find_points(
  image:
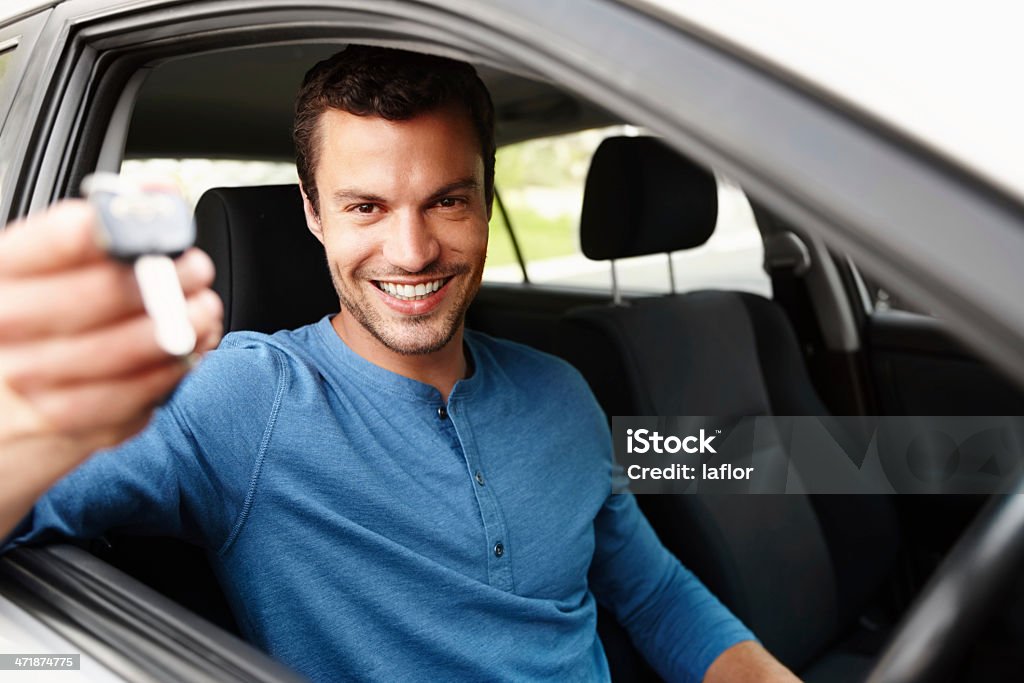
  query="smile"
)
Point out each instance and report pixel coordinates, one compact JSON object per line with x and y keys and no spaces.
{"x":406,"y":292}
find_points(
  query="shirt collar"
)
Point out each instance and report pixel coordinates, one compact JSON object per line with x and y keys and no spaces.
{"x":347,"y":362}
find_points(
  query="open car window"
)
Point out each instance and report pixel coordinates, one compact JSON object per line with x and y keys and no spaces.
{"x":541,"y":189}
{"x":195,"y":176}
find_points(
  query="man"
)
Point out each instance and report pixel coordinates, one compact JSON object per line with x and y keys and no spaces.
{"x":384,"y":494}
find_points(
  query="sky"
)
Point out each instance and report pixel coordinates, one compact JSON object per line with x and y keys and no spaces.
{"x":946,"y":73}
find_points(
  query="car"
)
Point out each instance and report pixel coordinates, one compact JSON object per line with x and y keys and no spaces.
{"x":869,"y":206}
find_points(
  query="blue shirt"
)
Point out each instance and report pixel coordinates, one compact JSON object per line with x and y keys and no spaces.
{"x":362,"y":528}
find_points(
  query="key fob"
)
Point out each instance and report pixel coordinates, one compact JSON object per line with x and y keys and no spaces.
{"x":136,"y":221}
{"x":147,"y":227}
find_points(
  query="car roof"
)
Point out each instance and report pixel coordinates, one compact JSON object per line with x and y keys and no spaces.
{"x":942,"y":74}
{"x":247,"y":97}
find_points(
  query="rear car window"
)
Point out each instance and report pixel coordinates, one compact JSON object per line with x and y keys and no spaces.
{"x":196,"y":176}
{"x":541,"y":182}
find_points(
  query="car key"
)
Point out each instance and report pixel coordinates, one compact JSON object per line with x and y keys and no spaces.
{"x":147,"y":227}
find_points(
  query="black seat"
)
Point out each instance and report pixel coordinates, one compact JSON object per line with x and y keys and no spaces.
{"x":271,"y":275}
{"x":798,"y":570}
{"x":271,"y":272}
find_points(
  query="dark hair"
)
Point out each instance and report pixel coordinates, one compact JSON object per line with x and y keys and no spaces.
{"x":392,"y":84}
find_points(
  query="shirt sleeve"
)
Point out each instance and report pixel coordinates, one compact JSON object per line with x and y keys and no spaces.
{"x":675,"y":622}
{"x":185,"y":475}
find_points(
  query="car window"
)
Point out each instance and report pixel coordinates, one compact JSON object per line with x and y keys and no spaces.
{"x":540,"y":183}
{"x":5,"y":62}
{"x":196,"y":176}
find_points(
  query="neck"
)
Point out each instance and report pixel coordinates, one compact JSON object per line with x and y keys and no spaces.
{"x":440,"y":369}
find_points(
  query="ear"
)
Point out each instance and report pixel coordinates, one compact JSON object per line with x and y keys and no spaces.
{"x":312,"y":219}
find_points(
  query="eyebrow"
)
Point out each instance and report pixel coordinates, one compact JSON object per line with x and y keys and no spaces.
{"x":357,"y":195}
{"x":464,"y":184}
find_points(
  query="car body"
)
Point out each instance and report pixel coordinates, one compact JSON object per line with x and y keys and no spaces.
{"x":877,"y":186}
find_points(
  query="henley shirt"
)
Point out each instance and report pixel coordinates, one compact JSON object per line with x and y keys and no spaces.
{"x":364,"y":529}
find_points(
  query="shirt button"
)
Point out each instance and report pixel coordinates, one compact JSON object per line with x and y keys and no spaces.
{"x":499,"y":549}
{"x":479,"y":477}
{"x":442,"y":413}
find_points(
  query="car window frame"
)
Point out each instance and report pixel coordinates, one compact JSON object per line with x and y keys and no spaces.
{"x":20,"y":34}
{"x":126,"y":626}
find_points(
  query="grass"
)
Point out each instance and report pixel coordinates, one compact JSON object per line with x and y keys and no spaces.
{"x":539,"y":236}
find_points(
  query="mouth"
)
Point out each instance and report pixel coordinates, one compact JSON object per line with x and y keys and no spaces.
{"x":411,"y":292}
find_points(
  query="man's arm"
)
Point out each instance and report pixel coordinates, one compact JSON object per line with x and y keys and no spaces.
{"x":682,"y":630}
{"x":79,"y":366}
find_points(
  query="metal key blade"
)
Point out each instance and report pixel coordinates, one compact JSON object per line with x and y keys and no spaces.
{"x":165,"y":304}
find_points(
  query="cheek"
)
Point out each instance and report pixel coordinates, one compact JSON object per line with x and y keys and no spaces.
{"x":347,"y":250}
{"x":474,"y":239}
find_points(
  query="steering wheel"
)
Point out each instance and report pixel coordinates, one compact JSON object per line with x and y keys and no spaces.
{"x":963,"y":592}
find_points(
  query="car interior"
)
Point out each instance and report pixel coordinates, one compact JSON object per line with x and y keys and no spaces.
{"x":822,"y":580}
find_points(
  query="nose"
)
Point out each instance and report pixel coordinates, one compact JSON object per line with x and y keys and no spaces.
{"x":411,"y":244}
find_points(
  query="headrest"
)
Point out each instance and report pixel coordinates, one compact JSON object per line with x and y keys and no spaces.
{"x":271,"y":272}
{"x":642,"y":197}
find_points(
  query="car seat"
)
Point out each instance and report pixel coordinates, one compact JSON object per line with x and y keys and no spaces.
{"x":798,"y":570}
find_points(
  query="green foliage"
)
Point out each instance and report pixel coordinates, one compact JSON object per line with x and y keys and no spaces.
{"x":540,"y":237}
{"x":549,"y":162}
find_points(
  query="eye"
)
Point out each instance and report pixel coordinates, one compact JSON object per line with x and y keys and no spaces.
{"x":365,"y":208}
{"x":450,"y":202}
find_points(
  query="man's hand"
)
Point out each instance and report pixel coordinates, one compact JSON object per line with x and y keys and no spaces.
{"x":748,"y":662}
{"x":80,"y":368}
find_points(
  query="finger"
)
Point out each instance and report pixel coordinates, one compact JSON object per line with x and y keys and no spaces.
{"x":207,"y":341}
{"x":62,"y":237}
{"x":85,"y":298}
{"x":106,"y":405}
{"x":120,"y":349}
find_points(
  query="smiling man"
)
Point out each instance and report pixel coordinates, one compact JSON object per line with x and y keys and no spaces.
{"x":384,"y":494}
{"x":402,"y":214}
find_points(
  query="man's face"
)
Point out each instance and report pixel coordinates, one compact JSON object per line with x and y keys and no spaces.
{"x":404,"y":222}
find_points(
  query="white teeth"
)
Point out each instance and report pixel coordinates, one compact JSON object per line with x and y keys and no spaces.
{"x":411,"y":292}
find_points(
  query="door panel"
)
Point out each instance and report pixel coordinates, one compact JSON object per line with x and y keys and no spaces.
{"x":919,"y":369}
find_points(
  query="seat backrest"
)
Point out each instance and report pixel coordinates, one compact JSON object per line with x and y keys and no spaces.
{"x":271,"y":271}
{"x":271,"y":275}
{"x":715,"y":353}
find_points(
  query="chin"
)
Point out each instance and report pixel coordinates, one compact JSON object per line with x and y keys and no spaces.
{"x":414,"y":343}
{"x":410,"y":336}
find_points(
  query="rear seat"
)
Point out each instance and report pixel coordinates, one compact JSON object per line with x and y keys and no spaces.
{"x":798,"y":570}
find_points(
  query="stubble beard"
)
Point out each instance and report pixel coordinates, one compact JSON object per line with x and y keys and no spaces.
{"x":424,"y":333}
